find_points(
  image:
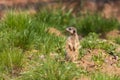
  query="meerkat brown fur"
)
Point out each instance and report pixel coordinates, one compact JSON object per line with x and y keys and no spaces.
{"x":72,"y":45}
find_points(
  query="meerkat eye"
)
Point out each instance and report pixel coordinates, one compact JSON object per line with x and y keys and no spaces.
{"x":69,"y":28}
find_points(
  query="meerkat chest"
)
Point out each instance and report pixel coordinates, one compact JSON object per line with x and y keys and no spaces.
{"x":73,"y":42}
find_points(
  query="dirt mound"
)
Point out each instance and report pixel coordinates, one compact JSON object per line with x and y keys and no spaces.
{"x":54,"y":31}
{"x":82,"y":78}
{"x":110,"y":69}
{"x":99,"y":60}
{"x":113,"y":34}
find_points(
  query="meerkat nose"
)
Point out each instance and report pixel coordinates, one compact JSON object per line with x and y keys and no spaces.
{"x":67,"y":29}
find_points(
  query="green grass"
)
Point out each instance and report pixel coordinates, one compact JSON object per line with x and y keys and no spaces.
{"x":99,"y":76}
{"x":11,"y":60}
{"x":117,"y":40}
{"x":92,"y":41}
{"x":98,"y":59}
{"x":96,"y":23}
{"x":21,"y":33}
{"x":51,"y":69}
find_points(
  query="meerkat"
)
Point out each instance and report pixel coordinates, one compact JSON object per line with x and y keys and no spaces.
{"x":72,"y":45}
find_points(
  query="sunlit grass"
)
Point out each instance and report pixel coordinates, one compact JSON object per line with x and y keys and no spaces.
{"x":51,"y":69}
{"x":102,"y":76}
{"x":117,"y":40}
{"x":21,"y":32}
{"x":96,"y":23}
{"x":11,"y":59}
{"x":92,"y":41}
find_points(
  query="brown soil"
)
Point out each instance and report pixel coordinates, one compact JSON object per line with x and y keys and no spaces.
{"x":82,"y":78}
{"x":113,"y":34}
{"x":110,"y":69}
{"x":107,"y":65}
{"x":16,"y":71}
{"x":118,"y":49}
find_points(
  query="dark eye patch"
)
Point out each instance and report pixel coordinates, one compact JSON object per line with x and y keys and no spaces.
{"x":69,"y":28}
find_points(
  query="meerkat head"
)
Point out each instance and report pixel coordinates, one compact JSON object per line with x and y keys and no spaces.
{"x":71,"y":30}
